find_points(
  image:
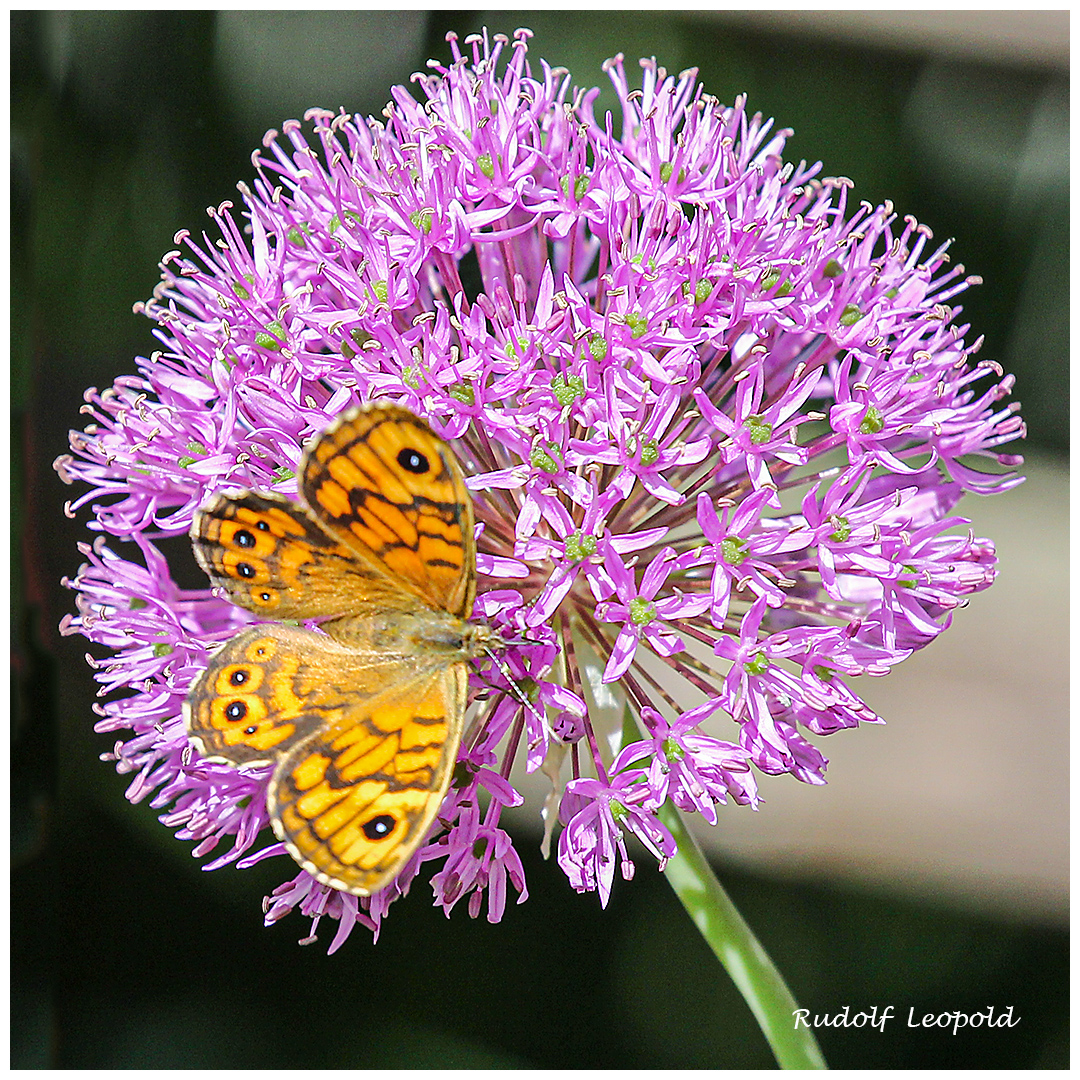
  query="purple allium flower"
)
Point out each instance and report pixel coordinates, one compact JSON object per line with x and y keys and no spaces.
{"x":595,"y":815}
{"x":715,"y":421}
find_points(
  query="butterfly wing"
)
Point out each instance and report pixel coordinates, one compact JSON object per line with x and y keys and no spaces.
{"x":383,"y":484}
{"x":272,"y":558}
{"x":272,"y":686}
{"x":354,"y":801}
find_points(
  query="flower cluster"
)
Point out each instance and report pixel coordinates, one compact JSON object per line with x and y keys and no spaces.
{"x":714,"y":417}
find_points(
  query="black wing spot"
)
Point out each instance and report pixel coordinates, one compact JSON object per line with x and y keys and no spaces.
{"x":243,"y":538}
{"x":413,"y":461}
{"x":236,"y":711}
{"x":378,"y":828}
{"x":245,"y":570}
{"x":262,"y":525}
{"x":239,"y":677}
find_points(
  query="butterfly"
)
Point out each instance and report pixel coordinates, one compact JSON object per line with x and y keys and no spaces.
{"x":363,"y":717}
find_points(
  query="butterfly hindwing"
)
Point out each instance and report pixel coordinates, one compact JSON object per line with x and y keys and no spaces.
{"x":353,"y":801}
{"x":273,"y":558}
{"x":271,"y":686}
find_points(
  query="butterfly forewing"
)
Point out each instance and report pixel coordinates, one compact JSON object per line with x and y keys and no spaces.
{"x":383,"y":483}
{"x":274,"y":559}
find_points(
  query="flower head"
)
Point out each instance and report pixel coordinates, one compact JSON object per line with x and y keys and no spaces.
{"x":714,"y":419}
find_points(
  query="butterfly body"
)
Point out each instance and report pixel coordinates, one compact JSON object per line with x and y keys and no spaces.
{"x":362,"y":717}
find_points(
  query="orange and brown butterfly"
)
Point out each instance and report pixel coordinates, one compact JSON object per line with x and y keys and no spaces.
{"x":361,"y":718}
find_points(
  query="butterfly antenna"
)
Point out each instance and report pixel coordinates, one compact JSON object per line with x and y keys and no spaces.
{"x":515,"y":689}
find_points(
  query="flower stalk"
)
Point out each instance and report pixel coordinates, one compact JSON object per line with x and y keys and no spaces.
{"x":733,"y":942}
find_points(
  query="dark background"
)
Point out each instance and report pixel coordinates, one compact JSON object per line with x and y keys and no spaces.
{"x":125,"y":126}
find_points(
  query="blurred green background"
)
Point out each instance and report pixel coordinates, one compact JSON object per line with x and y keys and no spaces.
{"x":125,"y":126}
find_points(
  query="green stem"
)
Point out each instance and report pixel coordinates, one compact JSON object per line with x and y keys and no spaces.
{"x":735,"y":946}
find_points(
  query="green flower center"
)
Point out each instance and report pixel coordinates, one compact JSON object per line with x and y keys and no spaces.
{"x":733,"y":549}
{"x":642,"y":611}
{"x":842,"y":530}
{"x":422,"y":219}
{"x":650,"y":452}
{"x":463,"y":392}
{"x":544,"y":459}
{"x":759,"y":429}
{"x":580,"y":546}
{"x":666,"y":169}
{"x":701,"y":290}
{"x":770,"y":279}
{"x":272,"y":337}
{"x":672,"y":750}
{"x":463,"y":775}
{"x":873,"y":422}
{"x":567,"y":391}
{"x":193,"y":447}
{"x":758,"y":664}
{"x":638,"y":325}
{"x":512,"y":349}
{"x":581,"y":185}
